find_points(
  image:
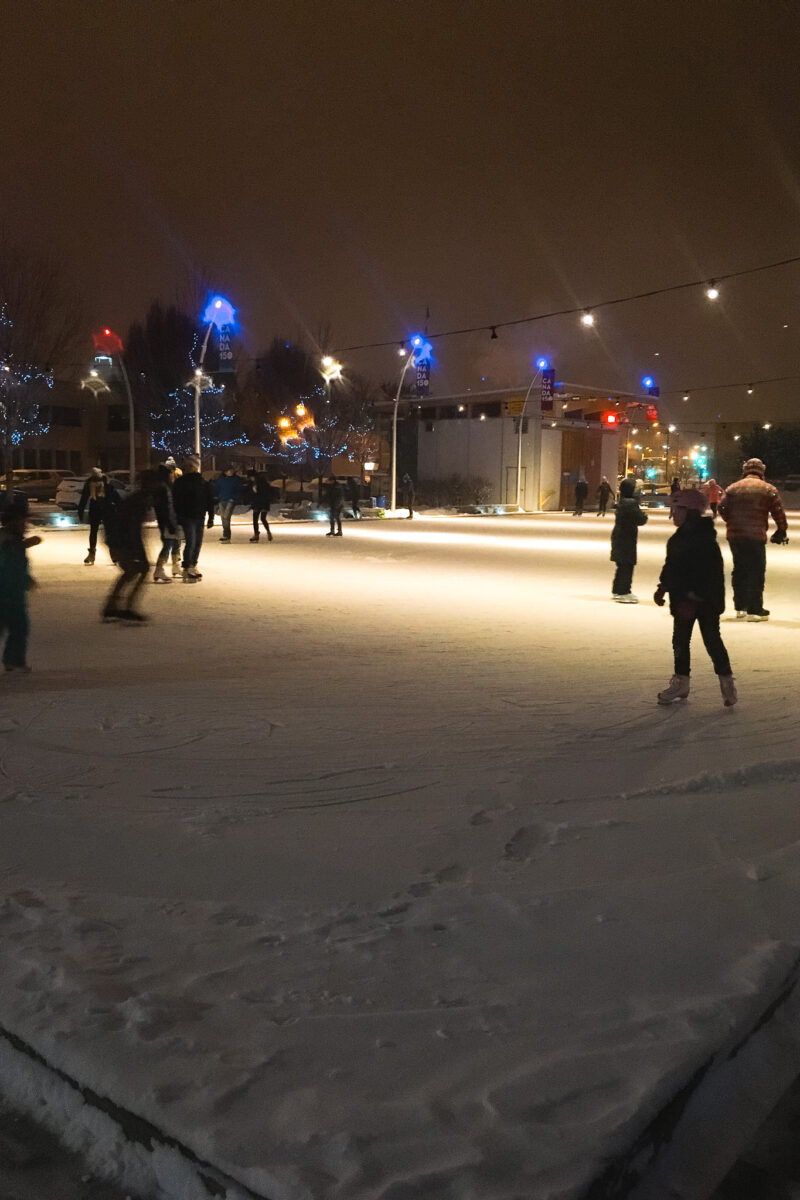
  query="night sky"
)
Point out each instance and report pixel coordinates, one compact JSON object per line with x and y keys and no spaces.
{"x":352,"y":162}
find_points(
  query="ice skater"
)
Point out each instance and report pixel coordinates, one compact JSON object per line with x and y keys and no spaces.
{"x":581,"y":492}
{"x":746,"y":509}
{"x":127,"y":546}
{"x":354,"y":496}
{"x":334,"y":502}
{"x":259,"y":492}
{"x":714,"y":493}
{"x":604,"y":494}
{"x":167,"y":523}
{"x":228,"y":487}
{"x":694,"y":579}
{"x":15,"y":583}
{"x":99,"y":497}
{"x":193,"y":499}
{"x":408,"y":493}
{"x":624,"y":537}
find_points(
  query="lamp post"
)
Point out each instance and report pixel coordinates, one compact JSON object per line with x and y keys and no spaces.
{"x":110,"y":343}
{"x":541,"y":365}
{"x":218,"y":313}
{"x":421,"y":350}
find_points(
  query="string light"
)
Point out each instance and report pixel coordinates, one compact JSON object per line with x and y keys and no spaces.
{"x":587,"y":318}
{"x":712,"y":291}
{"x":686,"y":395}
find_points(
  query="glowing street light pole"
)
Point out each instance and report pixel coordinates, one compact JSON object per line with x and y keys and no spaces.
{"x":111,"y":344}
{"x":218,"y":313}
{"x":541,"y":365}
{"x":423,"y":351}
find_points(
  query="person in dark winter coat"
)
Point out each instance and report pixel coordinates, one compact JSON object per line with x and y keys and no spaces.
{"x":228,"y":488}
{"x":581,"y":492}
{"x":354,"y":496}
{"x":193,"y":499}
{"x":694,"y":579}
{"x":408,"y":494}
{"x":260,"y":493}
{"x":15,"y":583}
{"x":334,"y":502}
{"x":624,"y":537}
{"x":127,"y":545}
{"x":604,"y":494}
{"x":167,"y":522}
{"x":674,"y":486}
{"x":99,"y":497}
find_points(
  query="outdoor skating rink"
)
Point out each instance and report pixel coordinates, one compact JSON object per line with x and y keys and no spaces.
{"x":370,"y":869}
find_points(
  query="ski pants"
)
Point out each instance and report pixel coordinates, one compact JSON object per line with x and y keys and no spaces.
{"x":712,"y":640}
{"x":749,"y":571}
{"x":14,"y":621}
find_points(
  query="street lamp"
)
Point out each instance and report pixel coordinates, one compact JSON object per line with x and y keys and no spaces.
{"x":110,"y":344}
{"x":420,"y":352}
{"x":218,"y":313}
{"x":541,"y":365}
{"x":330,"y":370}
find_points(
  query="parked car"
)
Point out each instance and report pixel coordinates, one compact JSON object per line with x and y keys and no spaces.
{"x":654,"y":495}
{"x":39,"y":485}
{"x":69,"y":491}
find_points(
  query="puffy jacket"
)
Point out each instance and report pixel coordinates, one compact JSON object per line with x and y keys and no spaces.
{"x":124,"y":528}
{"x":260,"y":492}
{"x":693,"y":569}
{"x":713,"y":491}
{"x":228,"y":487}
{"x":747,"y":506}
{"x":193,"y":498}
{"x":625,"y":533}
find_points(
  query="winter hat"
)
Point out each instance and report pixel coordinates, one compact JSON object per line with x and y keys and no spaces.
{"x":754,"y":466}
{"x":170,"y":462}
{"x":96,"y":472}
{"x":627,"y":488}
{"x":689,"y":498}
{"x":193,"y":460}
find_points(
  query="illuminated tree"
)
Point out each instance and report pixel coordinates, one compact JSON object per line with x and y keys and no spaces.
{"x":40,"y":336}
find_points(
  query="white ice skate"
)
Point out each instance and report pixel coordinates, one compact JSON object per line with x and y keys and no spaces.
{"x":678,"y":689}
{"x":726,"y":686}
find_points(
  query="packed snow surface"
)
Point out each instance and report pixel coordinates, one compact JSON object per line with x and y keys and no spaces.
{"x":370,"y":869}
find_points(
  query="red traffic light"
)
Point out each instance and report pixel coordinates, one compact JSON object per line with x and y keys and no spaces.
{"x":610,"y":418}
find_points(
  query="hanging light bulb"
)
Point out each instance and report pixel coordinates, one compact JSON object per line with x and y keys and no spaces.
{"x":587,"y":318}
{"x":494,"y":334}
{"x":712,"y":291}
{"x":749,"y":391}
{"x":686,"y":395}
{"x":401,"y":350}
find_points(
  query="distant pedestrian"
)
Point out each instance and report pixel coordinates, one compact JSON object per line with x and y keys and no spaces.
{"x":604,"y":494}
{"x":675,"y":485}
{"x":714,"y":493}
{"x":193,"y":499}
{"x":624,"y":536}
{"x":581,"y":492}
{"x":15,"y":583}
{"x":746,"y":508}
{"x":334,"y":502}
{"x":354,"y":496}
{"x":694,"y":579}
{"x":259,"y":492}
{"x":167,"y":523}
{"x":99,"y":498}
{"x":228,"y":488}
{"x":408,"y":493}
{"x":127,"y":545}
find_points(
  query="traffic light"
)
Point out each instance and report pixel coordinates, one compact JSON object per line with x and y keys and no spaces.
{"x":610,"y":419}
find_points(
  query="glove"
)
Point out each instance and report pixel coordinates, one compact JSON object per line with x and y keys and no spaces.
{"x":780,"y":537}
{"x":658,"y":597}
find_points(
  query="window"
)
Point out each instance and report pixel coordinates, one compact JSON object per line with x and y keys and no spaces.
{"x":29,"y":458}
{"x":62,"y":461}
{"x":64,"y":414}
{"x":524,"y":425}
{"x":117,"y":418}
{"x":75,"y":461}
{"x":46,"y":458}
{"x":429,"y":426}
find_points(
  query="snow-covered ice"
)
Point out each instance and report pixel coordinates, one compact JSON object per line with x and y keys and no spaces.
{"x":371,"y":870}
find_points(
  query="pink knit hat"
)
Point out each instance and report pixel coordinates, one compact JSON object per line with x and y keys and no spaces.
{"x":690,"y":498}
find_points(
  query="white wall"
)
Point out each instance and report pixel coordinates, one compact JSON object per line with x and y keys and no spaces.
{"x":550,"y":483}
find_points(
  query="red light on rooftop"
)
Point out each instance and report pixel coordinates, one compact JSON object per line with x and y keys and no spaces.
{"x":609,"y":418}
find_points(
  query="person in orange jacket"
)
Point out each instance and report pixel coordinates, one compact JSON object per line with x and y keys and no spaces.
{"x":746,"y":509}
{"x":713,"y":493}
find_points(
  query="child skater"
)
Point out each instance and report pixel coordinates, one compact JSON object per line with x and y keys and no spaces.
{"x":694,"y":578}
